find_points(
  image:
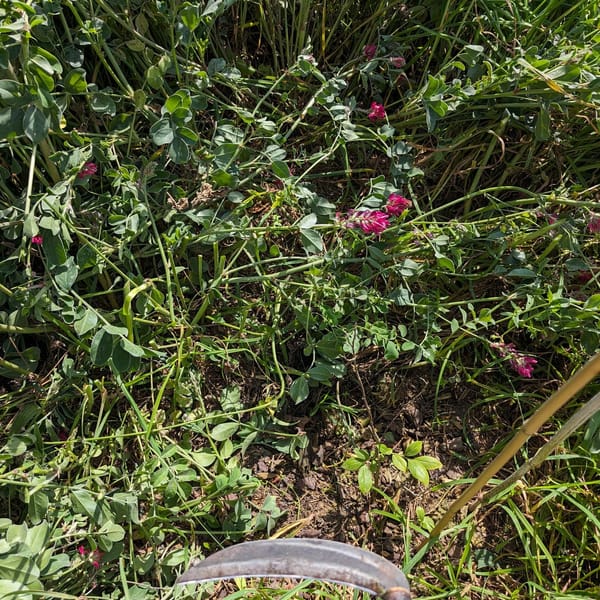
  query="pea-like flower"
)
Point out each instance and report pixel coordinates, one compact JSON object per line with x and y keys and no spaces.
{"x":370,"y":221}
{"x":518,"y":361}
{"x":594,"y":224}
{"x":89,"y":169}
{"x":398,"y":61}
{"x":397,"y":204}
{"x":377,"y":112}
{"x":370,"y":50}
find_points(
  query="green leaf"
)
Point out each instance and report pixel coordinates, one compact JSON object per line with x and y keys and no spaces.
{"x":353,"y":463}
{"x":190,"y":16}
{"x":16,"y":445}
{"x":204,"y":458}
{"x":215,"y":65}
{"x":161,"y":132}
{"x":37,"y":537}
{"x":66,"y":274}
{"x":323,"y":372}
{"x":139,"y":99}
{"x":154,"y":77}
{"x":180,"y":99}
{"x":101,"y":347}
{"x":11,"y":122}
{"x":124,"y":505}
{"x":103,"y":104}
{"x":37,"y":507}
{"x":418,"y":471}
{"x":57,"y":562}
{"x":54,"y":248}
{"x":399,"y":462}
{"x":115,"y":330}
{"x":413,"y":449}
{"x":19,"y":568}
{"x":86,"y":323}
{"x":311,"y":241}
{"x":216,"y":6}
{"x":74,"y":82}
{"x":30,"y":226}
{"x":131,"y":348}
{"x":299,"y":390}
{"x":187,"y":135}
{"x":84,"y":501}
{"x":123,"y":360}
{"x":429,"y":462}
{"x":179,"y":151}
{"x":365,"y":479}
{"x":112,"y":532}
{"x":224,"y":431}
{"x":18,"y":590}
{"x":280,"y":169}
{"x":36,"y":124}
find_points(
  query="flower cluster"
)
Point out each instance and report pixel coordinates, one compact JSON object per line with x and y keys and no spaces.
{"x":88,"y":169}
{"x":94,"y":556}
{"x":398,"y":61}
{"x":377,"y":112}
{"x":518,"y":361}
{"x":397,"y":204}
{"x":376,"y":221}
{"x":594,"y":224}
{"x":37,"y":240}
{"x":370,"y":221}
{"x":370,"y":50}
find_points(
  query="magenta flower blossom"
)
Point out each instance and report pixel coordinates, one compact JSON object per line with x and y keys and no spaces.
{"x":377,"y":112}
{"x":370,"y":221}
{"x":518,"y":361}
{"x":37,"y":240}
{"x":370,"y":50}
{"x":94,"y":556}
{"x":398,"y":61}
{"x":397,"y":204}
{"x":594,"y":224}
{"x":89,"y":169}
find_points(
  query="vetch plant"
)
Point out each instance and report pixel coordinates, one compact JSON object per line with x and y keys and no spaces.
{"x":519,"y":362}
{"x":377,"y":112}
{"x":367,"y":464}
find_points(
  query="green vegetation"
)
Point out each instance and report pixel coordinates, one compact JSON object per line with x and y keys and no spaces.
{"x":245,"y":240}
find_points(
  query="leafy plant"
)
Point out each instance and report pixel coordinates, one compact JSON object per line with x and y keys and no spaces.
{"x":368,"y":464}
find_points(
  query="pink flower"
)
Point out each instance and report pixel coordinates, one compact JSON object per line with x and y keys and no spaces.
{"x":594,"y":224}
{"x":397,"y":204}
{"x":377,"y":112}
{"x":370,"y":50}
{"x":37,"y":240}
{"x":523,"y":365}
{"x":370,"y":221}
{"x":518,"y":361}
{"x":95,"y":558}
{"x":398,"y":61}
{"x":87,"y":170}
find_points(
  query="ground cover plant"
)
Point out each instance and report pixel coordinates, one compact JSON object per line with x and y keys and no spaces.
{"x":295,"y":268}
